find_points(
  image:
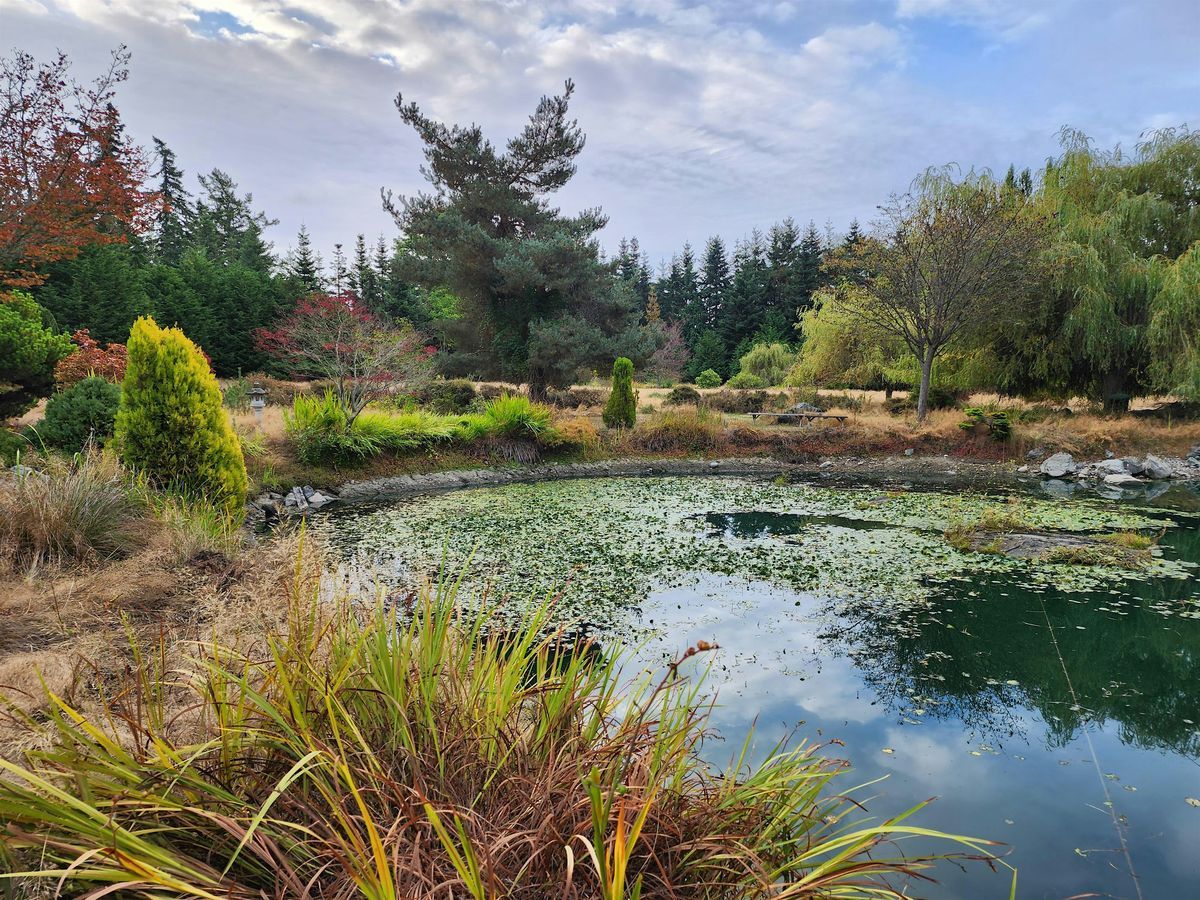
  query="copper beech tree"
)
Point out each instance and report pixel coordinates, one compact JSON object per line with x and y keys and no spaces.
{"x":364,"y":357}
{"x":69,"y":178}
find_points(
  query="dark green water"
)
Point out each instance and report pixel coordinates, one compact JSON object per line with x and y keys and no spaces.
{"x":1061,"y":717}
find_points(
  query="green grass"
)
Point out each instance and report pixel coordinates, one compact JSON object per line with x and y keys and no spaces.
{"x":420,"y":748}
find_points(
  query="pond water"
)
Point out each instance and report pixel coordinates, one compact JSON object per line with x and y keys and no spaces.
{"x":1052,"y":707}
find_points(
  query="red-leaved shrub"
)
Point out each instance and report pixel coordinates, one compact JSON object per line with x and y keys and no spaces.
{"x":89,"y":358}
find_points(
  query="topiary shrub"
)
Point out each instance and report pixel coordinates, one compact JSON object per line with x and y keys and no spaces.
{"x":743,"y":380}
{"x":683,"y":395}
{"x":86,"y":410}
{"x":170,"y":424}
{"x":708,"y":379}
{"x":621,"y":409}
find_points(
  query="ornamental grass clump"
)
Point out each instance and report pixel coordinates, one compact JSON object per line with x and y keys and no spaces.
{"x":171,"y":425}
{"x":621,"y":409}
{"x":419,"y":749}
{"x":71,"y":512}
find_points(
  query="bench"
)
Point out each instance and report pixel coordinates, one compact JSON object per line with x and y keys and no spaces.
{"x":780,"y":417}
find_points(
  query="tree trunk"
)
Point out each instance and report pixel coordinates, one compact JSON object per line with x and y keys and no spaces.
{"x":887,"y":391}
{"x":926,"y":375}
{"x":1114,"y":393}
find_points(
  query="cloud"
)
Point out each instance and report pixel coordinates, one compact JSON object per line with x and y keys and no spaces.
{"x":701,"y":118}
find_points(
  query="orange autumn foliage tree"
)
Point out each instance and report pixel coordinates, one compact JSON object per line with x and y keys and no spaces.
{"x":69,"y":178}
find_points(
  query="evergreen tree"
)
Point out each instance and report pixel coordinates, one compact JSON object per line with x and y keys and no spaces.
{"x":543,"y":302}
{"x":100,"y":290}
{"x":745,"y":304}
{"x":304,"y":266}
{"x":853,"y":236}
{"x":363,"y":281}
{"x":227,"y":228}
{"x":810,"y":278}
{"x":785,"y":292}
{"x":708,"y":353}
{"x":712,"y":289}
{"x":173,"y":226}
{"x":340,"y":276}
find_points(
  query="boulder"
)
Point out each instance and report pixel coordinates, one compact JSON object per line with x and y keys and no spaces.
{"x":1035,"y":453}
{"x":1111,"y":467}
{"x":1120,"y":478}
{"x":1193,"y":456}
{"x":1157,"y":468}
{"x":806,"y":408}
{"x":908,"y":452}
{"x":318,"y":500}
{"x":1058,"y":465}
{"x":1134,"y":465}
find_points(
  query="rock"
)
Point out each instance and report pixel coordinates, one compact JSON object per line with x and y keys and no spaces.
{"x":296,"y":499}
{"x":1193,"y":456}
{"x":714,"y":465}
{"x":318,"y":499}
{"x":1134,"y":465}
{"x":1111,"y":467}
{"x":1058,"y":465}
{"x":1022,"y":468}
{"x":1119,"y":478}
{"x":1108,"y":454}
{"x":1035,"y":453}
{"x":908,"y":452}
{"x":806,"y":408}
{"x":826,"y":464}
{"x":308,"y":491}
{"x":20,"y":471}
{"x":1157,"y":468}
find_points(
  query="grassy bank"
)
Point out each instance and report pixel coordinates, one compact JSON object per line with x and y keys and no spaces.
{"x":189,"y":716}
{"x":388,"y":441}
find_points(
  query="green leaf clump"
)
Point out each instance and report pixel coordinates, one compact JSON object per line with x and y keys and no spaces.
{"x":85,"y":411}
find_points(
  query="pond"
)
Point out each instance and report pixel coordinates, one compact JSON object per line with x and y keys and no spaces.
{"x":1053,"y":707}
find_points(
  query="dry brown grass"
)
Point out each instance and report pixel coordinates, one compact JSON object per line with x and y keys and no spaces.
{"x":75,"y":627}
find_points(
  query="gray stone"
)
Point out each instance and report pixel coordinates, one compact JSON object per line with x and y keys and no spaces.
{"x":1035,"y":453}
{"x":714,"y":465}
{"x":1112,"y":467}
{"x":908,"y":452}
{"x":1108,"y":454}
{"x":1058,"y":465}
{"x":1194,"y":455}
{"x":1134,"y":465}
{"x":318,"y":499}
{"x":1119,"y":478}
{"x":1157,"y":468}
{"x":308,"y":490}
{"x":20,"y":471}
{"x":1022,"y":468}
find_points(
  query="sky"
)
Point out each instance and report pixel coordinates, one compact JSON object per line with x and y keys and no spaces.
{"x":702,"y":118}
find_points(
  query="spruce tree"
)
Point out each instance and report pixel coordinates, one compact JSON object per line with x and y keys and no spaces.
{"x":713,"y":287}
{"x":340,"y":276}
{"x":304,"y":266}
{"x":172,"y":229}
{"x":226,"y":226}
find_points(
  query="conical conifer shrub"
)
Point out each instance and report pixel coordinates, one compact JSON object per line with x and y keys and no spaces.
{"x":621,"y":409}
{"x":171,"y":425}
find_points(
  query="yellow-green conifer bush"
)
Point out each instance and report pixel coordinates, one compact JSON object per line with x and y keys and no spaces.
{"x":170,"y":424}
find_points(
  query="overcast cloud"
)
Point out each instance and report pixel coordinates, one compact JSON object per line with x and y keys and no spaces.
{"x":702,"y":118}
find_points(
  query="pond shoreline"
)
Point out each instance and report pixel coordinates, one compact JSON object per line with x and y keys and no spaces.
{"x":969,"y":473}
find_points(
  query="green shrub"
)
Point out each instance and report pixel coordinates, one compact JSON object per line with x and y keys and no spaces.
{"x":12,"y":445}
{"x":708,"y":379}
{"x":621,"y":409}
{"x":237,"y":394}
{"x":939,"y":398}
{"x":455,"y":396}
{"x":575,"y":397}
{"x":769,"y":363}
{"x":86,"y":410}
{"x":73,"y":512}
{"x":997,"y":422}
{"x":171,"y":425}
{"x":683,"y":395}
{"x":28,"y":353}
{"x":743,"y":380}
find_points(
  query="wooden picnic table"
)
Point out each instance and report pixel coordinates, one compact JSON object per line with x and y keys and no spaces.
{"x":803,"y":416}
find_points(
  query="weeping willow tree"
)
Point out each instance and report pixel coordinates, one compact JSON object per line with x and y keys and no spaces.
{"x":841,"y":349}
{"x":1119,"y":314}
{"x":947,"y":263}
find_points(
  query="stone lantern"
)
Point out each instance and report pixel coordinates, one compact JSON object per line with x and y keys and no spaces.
{"x":258,"y":401}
